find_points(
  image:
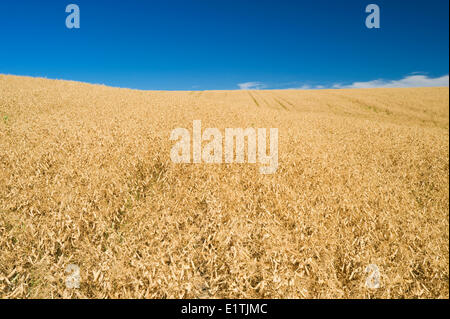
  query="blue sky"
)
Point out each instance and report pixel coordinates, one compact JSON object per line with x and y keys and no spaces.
{"x":211,"y":44}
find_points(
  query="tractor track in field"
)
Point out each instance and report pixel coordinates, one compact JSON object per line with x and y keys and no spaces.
{"x":281,"y":104}
{"x":254,"y":99}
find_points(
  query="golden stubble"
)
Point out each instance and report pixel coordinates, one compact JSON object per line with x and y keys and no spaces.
{"x":86,"y":179}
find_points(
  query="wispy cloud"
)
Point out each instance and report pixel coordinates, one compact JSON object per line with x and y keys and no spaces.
{"x":407,"y":82}
{"x":308,"y":87}
{"x":412,"y":80}
{"x":252,"y":86}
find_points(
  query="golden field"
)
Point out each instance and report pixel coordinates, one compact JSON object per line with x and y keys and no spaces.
{"x":86,"y":179}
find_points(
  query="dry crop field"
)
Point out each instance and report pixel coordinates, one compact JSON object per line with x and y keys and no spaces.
{"x":86,"y":179}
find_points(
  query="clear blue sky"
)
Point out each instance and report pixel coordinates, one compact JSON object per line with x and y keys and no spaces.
{"x":211,"y":44}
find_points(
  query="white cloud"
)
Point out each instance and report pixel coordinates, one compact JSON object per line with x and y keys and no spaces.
{"x":412,"y":80}
{"x":312,"y":87}
{"x":308,"y":87}
{"x":305,"y":87}
{"x":251,"y":86}
{"x":409,"y":81}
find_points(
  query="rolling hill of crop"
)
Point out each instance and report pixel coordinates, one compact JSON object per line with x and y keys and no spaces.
{"x":361,"y":193}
